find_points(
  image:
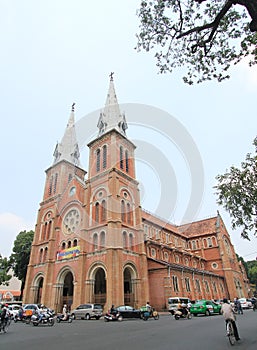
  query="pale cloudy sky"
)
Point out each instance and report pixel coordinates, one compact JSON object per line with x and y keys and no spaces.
{"x":56,"y":52}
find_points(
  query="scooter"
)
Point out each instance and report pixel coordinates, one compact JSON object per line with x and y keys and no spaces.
{"x":47,"y":319}
{"x":113,"y":317}
{"x":60,"y":318}
{"x":179,"y":314}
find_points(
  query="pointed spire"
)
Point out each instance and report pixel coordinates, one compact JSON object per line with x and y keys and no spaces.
{"x":68,"y":148}
{"x":111,"y":117}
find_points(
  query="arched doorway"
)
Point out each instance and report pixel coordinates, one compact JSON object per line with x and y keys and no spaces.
{"x":39,"y":288}
{"x":129,"y":286}
{"x":68,"y":287}
{"x":100,"y":286}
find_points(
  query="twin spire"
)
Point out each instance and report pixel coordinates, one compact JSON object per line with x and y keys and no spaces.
{"x":110,"y":118}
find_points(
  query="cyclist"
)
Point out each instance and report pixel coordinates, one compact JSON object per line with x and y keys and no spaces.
{"x":229,"y":314}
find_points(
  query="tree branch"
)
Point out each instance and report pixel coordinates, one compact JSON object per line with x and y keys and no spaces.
{"x":213,"y":24}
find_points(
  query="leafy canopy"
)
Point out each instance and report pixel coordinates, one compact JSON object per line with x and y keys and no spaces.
{"x":4,"y":268}
{"x":19,"y":258}
{"x":237,"y":192}
{"x":205,"y":36}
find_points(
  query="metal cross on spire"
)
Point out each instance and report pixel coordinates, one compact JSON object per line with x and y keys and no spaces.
{"x":111,"y":76}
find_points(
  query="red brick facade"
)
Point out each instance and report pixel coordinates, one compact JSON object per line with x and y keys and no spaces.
{"x":94,"y":243}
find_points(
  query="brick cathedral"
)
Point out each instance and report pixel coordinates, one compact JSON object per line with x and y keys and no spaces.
{"x":94,"y":243}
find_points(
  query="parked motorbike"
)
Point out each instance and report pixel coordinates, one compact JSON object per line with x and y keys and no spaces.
{"x":47,"y":319}
{"x":113,"y":317}
{"x":179,"y":314}
{"x":60,"y":318}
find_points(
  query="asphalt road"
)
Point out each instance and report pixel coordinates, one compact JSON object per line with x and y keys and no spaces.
{"x":198,"y":333}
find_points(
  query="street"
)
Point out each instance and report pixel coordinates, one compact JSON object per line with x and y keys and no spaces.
{"x":198,"y":333}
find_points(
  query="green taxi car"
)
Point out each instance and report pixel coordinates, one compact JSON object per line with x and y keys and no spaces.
{"x":205,"y":307}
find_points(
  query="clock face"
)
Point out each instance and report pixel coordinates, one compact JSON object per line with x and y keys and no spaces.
{"x":71,"y":221}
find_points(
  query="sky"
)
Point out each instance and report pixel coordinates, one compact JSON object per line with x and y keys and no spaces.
{"x":54,"y":53}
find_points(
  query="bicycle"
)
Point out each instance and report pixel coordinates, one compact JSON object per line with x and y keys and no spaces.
{"x":230,"y":332}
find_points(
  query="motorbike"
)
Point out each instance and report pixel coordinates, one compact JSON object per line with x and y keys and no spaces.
{"x":150,"y":314}
{"x":47,"y":319}
{"x":60,"y":318}
{"x":179,"y":314}
{"x":109,"y":317}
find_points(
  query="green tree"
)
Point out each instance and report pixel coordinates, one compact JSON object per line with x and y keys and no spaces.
{"x":19,"y":258}
{"x":252,"y":272}
{"x":204,"y":36}
{"x":4,"y":268}
{"x":237,"y":192}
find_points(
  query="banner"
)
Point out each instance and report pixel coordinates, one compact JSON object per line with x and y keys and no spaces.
{"x":68,"y":253}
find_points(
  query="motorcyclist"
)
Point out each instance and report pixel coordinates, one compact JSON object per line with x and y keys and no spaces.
{"x":4,"y":316}
{"x":113,"y":311}
{"x":64,"y":312}
{"x":148,"y":307}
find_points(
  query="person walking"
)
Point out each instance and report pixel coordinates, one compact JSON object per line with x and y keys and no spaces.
{"x":238,"y":306}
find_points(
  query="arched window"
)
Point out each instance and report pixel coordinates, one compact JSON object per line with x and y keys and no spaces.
{"x":95,"y":241}
{"x":102,"y":239}
{"x":104,"y":156}
{"x":103,"y":213}
{"x":63,"y":245}
{"x":130,"y":241}
{"x":41,"y":255}
{"x":209,"y":241}
{"x":121,"y":157}
{"x":123,"y":211}
{"x":69,"y":244}
{"x":124,"y":236}
{"x":98,"y":159}
{"x":45,"y":254}
{"x":75,"y":243}
{"x":44,"y":231}
{"x":129,"y":214}
{"x":97,"y":212}
{"x":127,"y":161}
{"x":49,"y":226}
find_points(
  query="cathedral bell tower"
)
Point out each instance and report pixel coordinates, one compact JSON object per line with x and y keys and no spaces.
{"x":114,"y":210}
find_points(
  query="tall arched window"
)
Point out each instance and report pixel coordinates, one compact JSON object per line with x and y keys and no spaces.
{"x":103,"y":213}
{"x":130,"y":241}
{"x":95,"y":241}
{"x":121,"y":157}
{"x":97,"y":212}
{"x":104,"y":156}
{"x":45,"y":254}
{"x":102,"y":239}
{"x":49,"y":226}
{"x":75,"y":243}
{"x":127,"y":161}
{"x":123,"y":211}
{"x":98,"y":159}
{"x":41,"y":255}
{"x":129,"y":214}
{"x":124,"y":238}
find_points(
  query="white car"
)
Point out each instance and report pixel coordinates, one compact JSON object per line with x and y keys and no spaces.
{"x":246,"y":304}
{"x":14,"y":309}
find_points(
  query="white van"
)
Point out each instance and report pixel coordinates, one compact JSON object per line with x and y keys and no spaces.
{"x":174,"y":301}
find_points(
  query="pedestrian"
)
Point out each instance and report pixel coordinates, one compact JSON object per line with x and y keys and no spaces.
{"x":238,"y":306}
